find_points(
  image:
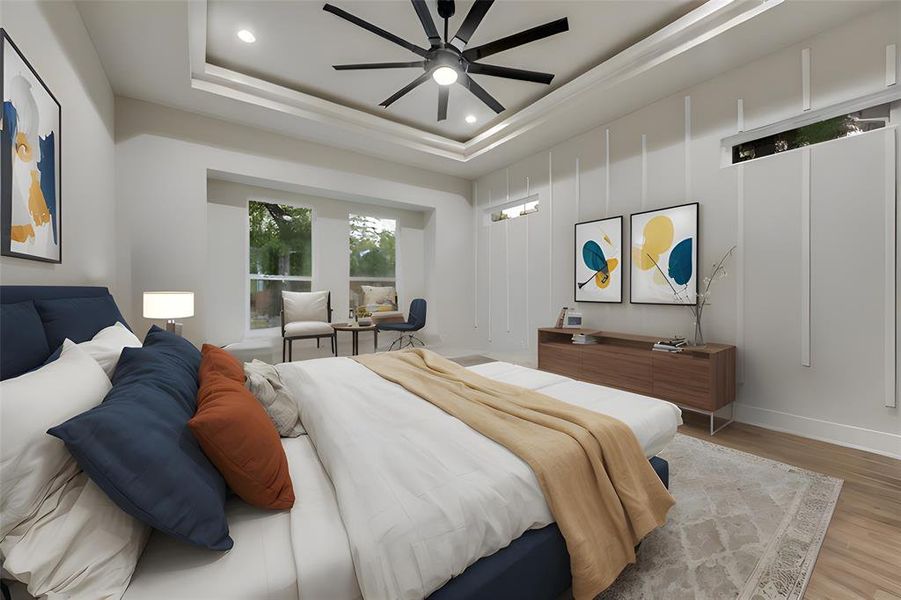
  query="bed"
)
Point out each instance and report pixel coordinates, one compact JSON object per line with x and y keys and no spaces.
{"x":305,"y":552}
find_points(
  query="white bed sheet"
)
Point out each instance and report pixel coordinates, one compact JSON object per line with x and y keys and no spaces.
{"x":653,"y":421}
{"x":261,"y":565}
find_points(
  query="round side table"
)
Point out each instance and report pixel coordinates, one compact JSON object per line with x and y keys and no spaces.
{"x":355,"y":331}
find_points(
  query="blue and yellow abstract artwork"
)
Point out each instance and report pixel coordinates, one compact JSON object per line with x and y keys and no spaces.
{"x":665,"y":256}
{"x":29,"y":162}
{"x":598,"y":261}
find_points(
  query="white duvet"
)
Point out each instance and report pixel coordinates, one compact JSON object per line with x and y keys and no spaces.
{"x":421,"y":494}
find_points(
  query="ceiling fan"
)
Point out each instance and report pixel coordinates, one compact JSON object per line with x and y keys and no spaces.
{"x":449,"y":61}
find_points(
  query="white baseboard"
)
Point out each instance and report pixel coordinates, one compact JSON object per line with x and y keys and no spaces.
{"x":860,"y":438}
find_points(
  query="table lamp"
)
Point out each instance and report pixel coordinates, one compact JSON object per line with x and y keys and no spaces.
{"x":169,"y":306}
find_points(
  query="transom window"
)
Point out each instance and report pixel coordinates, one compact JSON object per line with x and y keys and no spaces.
{"x":281,"y":258}
{"x":515,"y":211}
{"x":841,"y":126}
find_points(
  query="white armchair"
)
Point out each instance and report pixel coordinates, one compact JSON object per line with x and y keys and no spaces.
{"x":306,"y":316}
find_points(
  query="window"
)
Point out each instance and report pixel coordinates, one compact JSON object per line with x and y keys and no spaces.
{"x":821,"y":131}
{"x":372,"y":255}
{"x":518,"y":210}
{"x":281,"y":258}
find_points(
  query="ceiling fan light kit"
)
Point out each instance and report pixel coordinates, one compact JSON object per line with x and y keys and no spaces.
{"x":450,"y":61}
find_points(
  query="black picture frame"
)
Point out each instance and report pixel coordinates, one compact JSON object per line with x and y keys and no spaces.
{"x":6,"y":162}
{"x":577,"y":254}
{"x":697,"y":253}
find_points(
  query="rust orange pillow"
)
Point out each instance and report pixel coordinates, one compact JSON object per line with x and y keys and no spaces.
{"x":217,"y":360}
{"x":238,"y":437}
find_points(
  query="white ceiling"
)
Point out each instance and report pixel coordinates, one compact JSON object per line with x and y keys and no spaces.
{"x":165,"y":52}
{"x":297,"y":42}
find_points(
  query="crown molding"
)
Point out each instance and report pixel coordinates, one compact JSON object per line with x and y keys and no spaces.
{"x":710,"y":20}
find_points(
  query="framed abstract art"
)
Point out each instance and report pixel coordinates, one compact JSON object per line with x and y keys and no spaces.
{"x":664,"y":255}
{"x":30,"y":161}
{"x":599,"y":261}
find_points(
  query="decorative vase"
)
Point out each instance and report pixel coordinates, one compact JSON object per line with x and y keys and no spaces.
{"x":699,"y":335}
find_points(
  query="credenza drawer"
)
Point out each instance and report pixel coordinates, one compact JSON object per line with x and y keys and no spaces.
{"x":622,"y":368}
{"x":683,"y":379}
{"x":563,"y":359}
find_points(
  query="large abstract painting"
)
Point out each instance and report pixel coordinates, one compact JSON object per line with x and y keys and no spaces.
{"x":599,"y":260}
{"x":665,"y":256}
{"x":30,"y":201}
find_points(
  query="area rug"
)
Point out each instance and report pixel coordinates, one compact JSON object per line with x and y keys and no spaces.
{"x":743,"y":527}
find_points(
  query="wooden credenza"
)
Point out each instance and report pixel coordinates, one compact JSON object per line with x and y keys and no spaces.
{"x":696,"y":378}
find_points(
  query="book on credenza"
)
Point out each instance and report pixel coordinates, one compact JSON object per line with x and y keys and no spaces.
{"x":560,"y":318}
{"x":673,"y":344}
{"x":581,"y":338}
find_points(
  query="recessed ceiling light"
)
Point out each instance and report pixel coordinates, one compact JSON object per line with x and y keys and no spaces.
{"x":444,"y":75}
{"x":247,"y":36}
{"x":470,"y":119}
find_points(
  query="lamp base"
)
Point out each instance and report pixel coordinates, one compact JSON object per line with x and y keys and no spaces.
{"x":173,"y":327}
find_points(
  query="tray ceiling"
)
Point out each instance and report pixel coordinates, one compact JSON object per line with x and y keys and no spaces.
{"x":185,"y":54}
{"x":297,"y":43}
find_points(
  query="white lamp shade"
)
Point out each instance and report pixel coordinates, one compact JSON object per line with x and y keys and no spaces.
{"x":168,"y":305}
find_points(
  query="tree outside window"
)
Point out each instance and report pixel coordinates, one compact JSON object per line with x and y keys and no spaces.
{"x":281,"y":258}
{"x":372,"y":254}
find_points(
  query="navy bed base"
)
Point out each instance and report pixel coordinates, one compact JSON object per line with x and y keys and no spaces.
{"x":534,"y":566}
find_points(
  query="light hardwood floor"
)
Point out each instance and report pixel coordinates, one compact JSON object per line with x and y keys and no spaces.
{"x":861,"y":555}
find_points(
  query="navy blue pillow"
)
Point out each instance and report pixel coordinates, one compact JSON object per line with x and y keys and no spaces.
{"x":23,"y":345}
{"x":78,"y":319}
{"x":137,"y":447}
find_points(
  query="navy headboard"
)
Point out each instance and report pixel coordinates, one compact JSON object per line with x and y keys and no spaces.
{"x":10,"y":294}
{"x":34,"y":319}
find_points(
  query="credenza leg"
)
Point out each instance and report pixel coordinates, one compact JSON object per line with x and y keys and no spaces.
{"x":713,"y":428}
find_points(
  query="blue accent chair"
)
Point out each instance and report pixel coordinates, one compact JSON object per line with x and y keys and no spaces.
{"x":415,"y":321}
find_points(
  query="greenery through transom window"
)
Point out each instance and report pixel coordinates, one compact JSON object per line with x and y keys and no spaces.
{"x":854,"y":123}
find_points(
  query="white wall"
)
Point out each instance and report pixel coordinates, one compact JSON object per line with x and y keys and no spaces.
{"x":55,"y":42}
{"x":525,"y":266}
{"x":226,"y":291}
{"x":164,"y":158}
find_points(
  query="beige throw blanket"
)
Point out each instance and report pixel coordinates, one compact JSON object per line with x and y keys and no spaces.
{"x":603,"y":493}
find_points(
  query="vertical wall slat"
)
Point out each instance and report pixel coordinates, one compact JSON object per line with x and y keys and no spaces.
{"x":805,"y":79}
{"x":805,"y":257}
{"x":890,"y":282}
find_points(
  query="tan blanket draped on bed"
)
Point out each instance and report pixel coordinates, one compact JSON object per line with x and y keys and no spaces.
{"x":599,"y":486}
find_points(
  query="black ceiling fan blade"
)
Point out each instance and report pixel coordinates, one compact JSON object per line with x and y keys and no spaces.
{"x":480,"y":93}
{"x":404,"y":90}
{"x":385,"y":65}
{"x":511,"y":73}
{"x":517,"y":39}
{"x":375,"y":29}
{"x":471,"y":22}
{"x":425,"y":17}
{"x":443,"y":93}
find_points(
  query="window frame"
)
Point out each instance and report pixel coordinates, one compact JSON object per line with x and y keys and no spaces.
{"x":248,"y":277}
{"x":397,"y":254}
{"x":889,"y":96}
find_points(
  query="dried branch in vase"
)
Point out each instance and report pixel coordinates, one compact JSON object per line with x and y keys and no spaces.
{"x":697,"y":307}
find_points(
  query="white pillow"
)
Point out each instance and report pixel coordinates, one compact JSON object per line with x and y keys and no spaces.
{"x":33,"y":464}
{"x":107,"y":345}
{"x":78,"y":545}
{"x":305,"y":306}
{"x":59,"y":533}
